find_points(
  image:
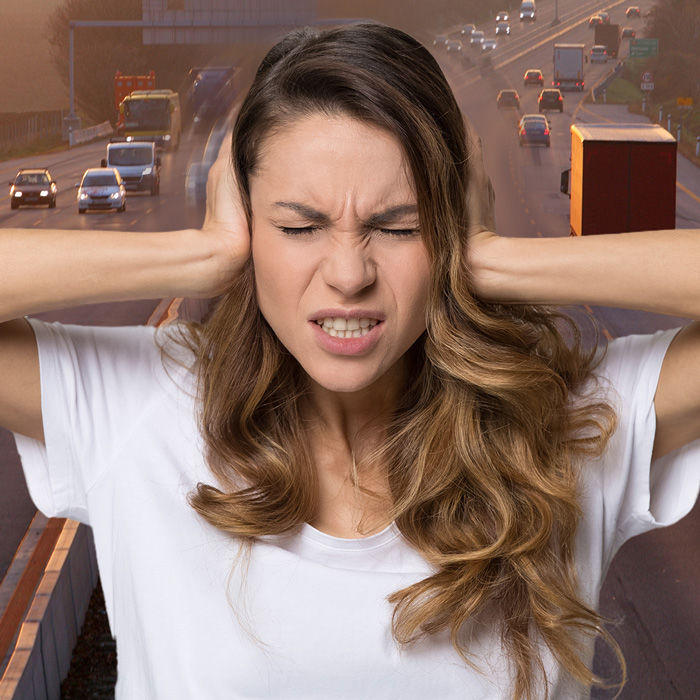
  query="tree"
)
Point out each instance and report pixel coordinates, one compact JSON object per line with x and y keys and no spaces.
{"x":676,"y":24}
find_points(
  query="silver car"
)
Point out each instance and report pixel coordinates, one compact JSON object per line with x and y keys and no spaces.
{"x":476,"y":38}
{"x":101,"y":188}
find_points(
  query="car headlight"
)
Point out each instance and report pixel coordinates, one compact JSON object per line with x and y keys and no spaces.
{"x":115,"y":195}
{"x":83,"y":195}
{"x":147,"y":171}
{"x":166,"y":137}
{"x":18,"y":193}
{"x":44,"y":193}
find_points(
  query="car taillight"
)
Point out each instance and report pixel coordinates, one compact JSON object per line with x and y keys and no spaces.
{"x":546,"y":132}
{"x":559,"y":98}
{"x":522,"y":131}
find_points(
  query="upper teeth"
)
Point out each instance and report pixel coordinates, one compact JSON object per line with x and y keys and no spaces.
{"x":347,"y":327}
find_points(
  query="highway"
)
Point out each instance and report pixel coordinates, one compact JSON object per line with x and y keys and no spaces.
{"x":652,"y":584}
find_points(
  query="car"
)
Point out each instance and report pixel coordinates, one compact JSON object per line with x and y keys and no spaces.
{"x":534,"y":129}
{"x":533,"y":76}
{"x":476,"y":38}
{"x":502,"y":16}
{"x":488,"y":44}
{"x":466,"y":30}
{"x":550,"y":98}
{"x":503,"y":28}
{"x":101,"y":188}
{"x":440,"y":40}
{"x":633,"y":11}
{"x":599,"y":54}
{"x":453,"y":46}
{"x":508,"y":98}
{"x":605,"y":17}
{"x":628,"y":33}
{"x":594,"y":20}
{"x":527,"y":11}
{"x":33,"y":186}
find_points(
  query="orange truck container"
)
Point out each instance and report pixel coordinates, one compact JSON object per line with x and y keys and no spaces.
{"x":623,"y":178}
{"x":125,"y":84}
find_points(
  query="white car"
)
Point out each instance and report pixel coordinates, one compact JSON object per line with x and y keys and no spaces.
{"x":599,"y":54}
{"x":101,"y":188}
{"x":488,"y":44}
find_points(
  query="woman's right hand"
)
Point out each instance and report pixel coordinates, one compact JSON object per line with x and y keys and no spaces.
{"x":225,"y":223}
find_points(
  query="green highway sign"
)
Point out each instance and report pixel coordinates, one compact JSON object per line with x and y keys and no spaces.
{"x":644,"y":48}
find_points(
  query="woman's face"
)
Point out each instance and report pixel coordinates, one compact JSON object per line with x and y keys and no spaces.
{"x":341,"y":271}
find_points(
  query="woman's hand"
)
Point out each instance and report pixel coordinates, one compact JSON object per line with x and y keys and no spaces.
{"x":481,"y":237}
{"x":225,"y":223}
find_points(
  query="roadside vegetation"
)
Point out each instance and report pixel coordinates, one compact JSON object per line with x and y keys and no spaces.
{"x":676,"y":72}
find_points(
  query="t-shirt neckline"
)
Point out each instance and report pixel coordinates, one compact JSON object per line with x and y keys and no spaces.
{"x":389,"y":533}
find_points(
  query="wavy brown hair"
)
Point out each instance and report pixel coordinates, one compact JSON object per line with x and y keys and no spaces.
{"x":482,"y":451}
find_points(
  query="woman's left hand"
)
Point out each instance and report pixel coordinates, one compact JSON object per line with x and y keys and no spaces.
{"x":481,"y":199}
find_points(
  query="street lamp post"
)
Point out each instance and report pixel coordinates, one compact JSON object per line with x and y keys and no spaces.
{"x":556,"y":19}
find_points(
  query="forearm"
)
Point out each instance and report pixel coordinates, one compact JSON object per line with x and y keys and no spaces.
{"x":649,"y":270}
{"x":51,"y":269}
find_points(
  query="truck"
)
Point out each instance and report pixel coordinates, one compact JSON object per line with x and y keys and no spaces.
{"x":125,"y":84}
{"x":608,"y":35}
{"x":623,"y":178}
{"x":137,"y":163}
{"x":568,"y":67}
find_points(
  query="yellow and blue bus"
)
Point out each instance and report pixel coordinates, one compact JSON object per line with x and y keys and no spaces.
{"x":151,"y":115}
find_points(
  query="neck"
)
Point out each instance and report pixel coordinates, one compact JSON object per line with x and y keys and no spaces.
{"x":343,"y":430}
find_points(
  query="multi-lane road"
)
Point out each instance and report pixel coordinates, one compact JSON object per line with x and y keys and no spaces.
{"x":652,"y":586}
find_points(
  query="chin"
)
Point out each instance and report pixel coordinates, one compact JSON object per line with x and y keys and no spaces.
{"x":342,"y":380}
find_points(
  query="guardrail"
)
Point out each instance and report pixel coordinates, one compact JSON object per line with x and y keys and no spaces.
{"x":46,"y":590}
{"x":76,"y":136}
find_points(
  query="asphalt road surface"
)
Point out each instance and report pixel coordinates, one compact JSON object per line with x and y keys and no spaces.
{"x":652,"y":588}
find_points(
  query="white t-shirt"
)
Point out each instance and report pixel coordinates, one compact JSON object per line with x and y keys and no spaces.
{"x":123,"y":452}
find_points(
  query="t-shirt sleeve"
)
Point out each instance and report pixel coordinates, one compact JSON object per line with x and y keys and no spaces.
{"x":637,"y":494}
{"x":94,"y":386}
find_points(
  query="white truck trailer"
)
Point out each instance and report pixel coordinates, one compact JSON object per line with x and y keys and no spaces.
{"x":568,"y":67}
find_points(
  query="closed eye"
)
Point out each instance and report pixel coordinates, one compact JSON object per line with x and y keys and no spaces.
{"x":400,"y":231}
{"x":298,"y":230}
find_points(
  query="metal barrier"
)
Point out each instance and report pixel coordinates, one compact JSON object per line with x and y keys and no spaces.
{"x":76,"y":136}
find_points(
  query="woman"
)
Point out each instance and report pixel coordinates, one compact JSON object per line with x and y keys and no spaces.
{"x":367,"y":475}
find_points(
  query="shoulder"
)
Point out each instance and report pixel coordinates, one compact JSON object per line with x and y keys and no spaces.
{"x":627,"y":359}
{"x":101,"y":355}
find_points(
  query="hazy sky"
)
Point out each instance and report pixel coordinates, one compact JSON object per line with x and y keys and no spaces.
{"x":24,"y":51}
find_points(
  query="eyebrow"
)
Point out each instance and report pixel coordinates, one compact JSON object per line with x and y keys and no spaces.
{"x":388,"y":216}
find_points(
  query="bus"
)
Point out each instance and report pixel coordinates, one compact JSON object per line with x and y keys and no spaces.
{"x":151,"y":115}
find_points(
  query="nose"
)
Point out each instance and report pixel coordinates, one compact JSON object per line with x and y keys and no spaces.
{"x":349,"y":267}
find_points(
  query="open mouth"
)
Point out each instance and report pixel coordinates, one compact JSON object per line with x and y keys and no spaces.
{"x":338,"y":327}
